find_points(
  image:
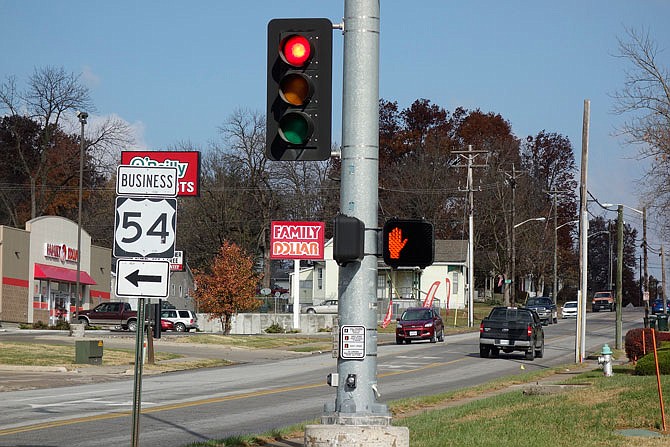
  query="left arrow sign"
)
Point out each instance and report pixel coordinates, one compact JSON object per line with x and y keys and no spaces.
{"x":142,"y":278}
{"x":135,"y":278}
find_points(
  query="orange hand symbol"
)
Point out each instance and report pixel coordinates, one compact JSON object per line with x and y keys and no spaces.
{"x":396,"y":243}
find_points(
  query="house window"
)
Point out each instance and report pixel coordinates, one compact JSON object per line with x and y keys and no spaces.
{"x":320,"y":278}
{"x":454,"y":283}
{"x":381,"y":286}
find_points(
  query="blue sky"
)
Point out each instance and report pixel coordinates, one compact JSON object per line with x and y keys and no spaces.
{"x":176,"y":70}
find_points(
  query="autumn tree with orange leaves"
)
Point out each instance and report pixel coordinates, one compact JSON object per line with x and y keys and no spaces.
{"x":228,"y":287}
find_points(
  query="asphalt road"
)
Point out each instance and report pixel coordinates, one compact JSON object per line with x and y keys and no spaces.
{"x":262,"y":394}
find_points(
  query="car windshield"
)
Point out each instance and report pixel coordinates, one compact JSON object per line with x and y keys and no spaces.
{"x":416,"y":314}
{"x":571,"y":304}
{"x":538,"y":302}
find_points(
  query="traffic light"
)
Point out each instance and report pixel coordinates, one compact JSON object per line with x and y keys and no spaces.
{"x":299,"y":95}
{"x":348,"y":239}
{"x":408,"y":243}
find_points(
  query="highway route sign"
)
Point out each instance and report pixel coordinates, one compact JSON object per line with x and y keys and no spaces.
{"x":142,"y":279}
{"x":145,"y":227}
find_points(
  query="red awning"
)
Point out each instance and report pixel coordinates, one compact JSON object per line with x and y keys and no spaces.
{"x":44,"y":271}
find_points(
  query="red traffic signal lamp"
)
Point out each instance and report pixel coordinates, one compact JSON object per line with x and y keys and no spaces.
{"x":408,"y":243}
{"x":299,"y":89}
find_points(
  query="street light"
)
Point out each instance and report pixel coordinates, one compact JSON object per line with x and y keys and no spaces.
{"x":514,"y":227}
{"x":619,"y":267}
{"x":82,"y":119}
{"x":555,"y":292}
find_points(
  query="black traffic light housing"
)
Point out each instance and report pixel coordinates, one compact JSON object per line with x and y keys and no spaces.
{"x":408,"y":243}
{"x":348,"y":239}
{"x":299,"y":89}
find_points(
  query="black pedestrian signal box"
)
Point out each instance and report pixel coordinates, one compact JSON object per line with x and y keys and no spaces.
{"x":348,"y":239}
{"x":408,"y":243}
{"x":299,"y":89}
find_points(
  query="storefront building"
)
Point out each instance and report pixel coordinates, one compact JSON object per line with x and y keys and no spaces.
{"x":38,"y":270}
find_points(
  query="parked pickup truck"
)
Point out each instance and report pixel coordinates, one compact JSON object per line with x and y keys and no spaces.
{"x":511,"y":329}
{"x":545,"y":307}
{"x":110,"y":314}
{"x":603,"y":301}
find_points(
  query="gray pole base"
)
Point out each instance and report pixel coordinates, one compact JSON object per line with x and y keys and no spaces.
{"x":356,"y":436}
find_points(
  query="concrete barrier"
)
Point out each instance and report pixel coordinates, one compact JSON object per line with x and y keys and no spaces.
{"x":257,"y":323}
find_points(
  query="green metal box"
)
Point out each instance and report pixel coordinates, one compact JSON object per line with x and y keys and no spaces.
{"x":88,"y":351}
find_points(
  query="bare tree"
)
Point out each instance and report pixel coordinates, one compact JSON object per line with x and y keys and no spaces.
{"x":645,"y":100}
{"x":50,"y":98}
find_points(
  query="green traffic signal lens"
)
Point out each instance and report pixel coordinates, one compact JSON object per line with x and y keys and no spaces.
{"x":296,"y":128}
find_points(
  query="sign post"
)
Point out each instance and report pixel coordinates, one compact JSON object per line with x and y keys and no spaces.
{"x":144,"y":232}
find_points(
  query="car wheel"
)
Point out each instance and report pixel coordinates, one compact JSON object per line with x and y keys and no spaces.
{"x":540,"y":352}
{"x":398,"y":341}
{"x":311,"y":311}
{"x":484,"y":351}
{"x":441,"y":337}
{"x":556,"y":319}
{"x":132,"y":325}
{"x":495,"y":352}
{"x":530,"y":354}
{"x":179,"y":327}
{"x":83,"y":321}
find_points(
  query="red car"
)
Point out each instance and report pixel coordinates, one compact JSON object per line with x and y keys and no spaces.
{"x":167,"y":325}
{"x":419,"y":323}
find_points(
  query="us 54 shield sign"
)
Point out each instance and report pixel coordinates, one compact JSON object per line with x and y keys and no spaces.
{"x":145,"y":228}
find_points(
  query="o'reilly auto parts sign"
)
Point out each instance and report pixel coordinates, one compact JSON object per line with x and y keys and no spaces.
{"x":186,"y":162}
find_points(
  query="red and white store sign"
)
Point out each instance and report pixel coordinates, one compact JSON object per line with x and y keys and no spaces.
{"x":297,"y":240}
{"x":61,"y":252}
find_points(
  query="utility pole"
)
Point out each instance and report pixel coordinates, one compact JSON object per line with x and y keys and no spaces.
{"x":665,"y":306}
{"x":470,"y":155}
{"x":510,"y":298}
{"x":619,"y":276}
{"x":645,"y":281}
{"x":580,"y":336}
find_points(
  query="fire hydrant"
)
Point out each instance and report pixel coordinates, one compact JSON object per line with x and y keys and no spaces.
{"x":605,"y":359}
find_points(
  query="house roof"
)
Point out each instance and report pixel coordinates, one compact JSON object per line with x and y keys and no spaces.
{"x":454,"y":251}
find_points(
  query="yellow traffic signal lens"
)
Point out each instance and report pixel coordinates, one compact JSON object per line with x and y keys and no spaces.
{"x":295,"y":128}
{"x":295,"y":89}
{"x":296,"y":50}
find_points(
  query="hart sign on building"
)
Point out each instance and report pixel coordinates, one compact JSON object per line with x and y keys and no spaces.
{"x":297,"y":240}
{"x":186,"y":162}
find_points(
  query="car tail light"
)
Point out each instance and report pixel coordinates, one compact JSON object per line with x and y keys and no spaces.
{"x":481,"y":327}
{"x":530,"y":330}
{"x":191,"y":321}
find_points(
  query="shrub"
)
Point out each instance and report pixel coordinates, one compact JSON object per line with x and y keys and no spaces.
{"x":275,"y":328}
{"x":646,"y":366}
{"x":633,"y":342}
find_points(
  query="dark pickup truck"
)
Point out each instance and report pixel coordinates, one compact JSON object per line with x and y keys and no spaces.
{"x":110,"y":314}
{"x":511,"y":329}
{"x":545,"y":307}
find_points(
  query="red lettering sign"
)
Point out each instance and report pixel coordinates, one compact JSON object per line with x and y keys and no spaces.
{"x":297,"y":240}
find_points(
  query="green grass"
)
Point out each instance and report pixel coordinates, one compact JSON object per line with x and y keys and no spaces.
{"x":34,"y":354}
{"x":583,"y":416}
{"x":257,"y":341}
